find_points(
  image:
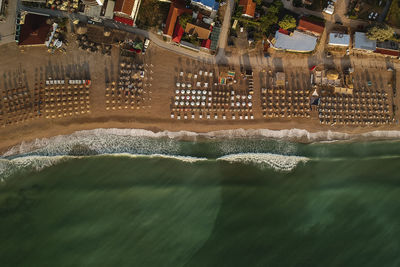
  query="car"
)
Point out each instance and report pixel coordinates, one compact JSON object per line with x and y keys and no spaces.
{"x":90,"y":21}
{"x":146,"y":45}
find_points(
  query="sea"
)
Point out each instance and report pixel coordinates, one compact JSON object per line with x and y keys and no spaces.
{"x":129,"y":197}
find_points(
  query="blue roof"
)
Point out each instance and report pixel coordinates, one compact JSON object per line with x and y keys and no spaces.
{"x":210,"y":3}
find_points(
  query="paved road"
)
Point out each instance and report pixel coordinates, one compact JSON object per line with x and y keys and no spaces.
{"x":7,"y":28}
{"x":254,"y":60}
{"x":223,"y":37}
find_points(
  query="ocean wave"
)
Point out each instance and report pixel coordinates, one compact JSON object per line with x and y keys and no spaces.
{"x":115,"y":140}
{"x":277,"y":162}
{"x":9,"y":167}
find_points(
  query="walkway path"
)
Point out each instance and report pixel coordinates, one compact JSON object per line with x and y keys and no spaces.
{"x":7,"y":28}
{"x":223,"y":37}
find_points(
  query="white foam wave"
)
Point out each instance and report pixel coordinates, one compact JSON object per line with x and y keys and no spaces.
{"x":37,"y":163}
{"x":115,"y":140}
{"x":278,"y":162}
{"x":176,"y":157}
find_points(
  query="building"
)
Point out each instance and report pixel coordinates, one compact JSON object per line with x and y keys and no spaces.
{"x":109,"y":13}
{"x":34,"y":31}
{"x":209,"y":5}
{"x":126,"y":11}
{"x":176,"y":9}
{"x":309,"y":26}
{"x":295,"y":42}
{"x":330,"y":9}
{"x":214,"y":37}
{"x":200,"y":30}
{"x":93,"y":2}
{"x":361,"y":42}
{"x":339,"y":39}
{"x":249,"y":8}
{"x":2,"y":7}
{"x":388,"y":48}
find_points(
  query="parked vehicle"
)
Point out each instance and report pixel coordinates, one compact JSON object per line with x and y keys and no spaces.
{"x":146,"y":45}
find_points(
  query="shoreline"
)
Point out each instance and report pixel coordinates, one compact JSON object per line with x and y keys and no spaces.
{"x":191,"y":130}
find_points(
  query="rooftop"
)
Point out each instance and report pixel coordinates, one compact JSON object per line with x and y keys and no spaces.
{"x":124,"y":6}
{"x":394,"y":53}
{"x":339,"y":39}
{"x":249,"y":7}
{"x":390,"y":45}
{"x":305,"y":24}
{"x":201,"y":31}
{"x":209,"y":4}
{"x":362,"y":42}
{"x":34,"y":31}
{"x":298,"y":41}
{"x":176,"y":9}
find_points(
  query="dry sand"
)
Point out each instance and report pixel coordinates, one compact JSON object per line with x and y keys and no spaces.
{"x":35,"y":60}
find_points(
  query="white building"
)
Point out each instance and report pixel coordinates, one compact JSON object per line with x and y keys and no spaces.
{"x":339,"y":39}
{"x":361,"y":42}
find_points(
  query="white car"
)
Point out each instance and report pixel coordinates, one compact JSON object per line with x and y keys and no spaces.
{"x":146,"y":45}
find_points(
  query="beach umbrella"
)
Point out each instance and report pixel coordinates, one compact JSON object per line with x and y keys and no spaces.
{"x":193,"y":92}
{"x":188,"y":92}
{"x":182,"y":91}
{"x":178,"y":84}
{"x":177,"y":91}
{"x":203,"y":97}
{"x":183,"y":97}
{"x":189,"y":85}
{"x":188,"y":97}
{"x":176,"y":103}
{"x":183,"y":85}
{"x":198,"y":97}
{"x":182,"y":103}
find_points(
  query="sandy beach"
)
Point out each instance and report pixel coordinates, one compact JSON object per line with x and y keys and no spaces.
{"x":35,"y":63}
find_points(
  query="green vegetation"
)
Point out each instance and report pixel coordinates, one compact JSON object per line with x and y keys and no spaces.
{"x":380,"y":32}
{"x":184,"y":19}
{"x":193,"y":39}
{"x":393,"y":17}
{"x":288,"y":22}
{"x":152,"y":13}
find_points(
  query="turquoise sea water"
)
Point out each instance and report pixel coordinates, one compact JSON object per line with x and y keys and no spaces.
{"x":336,"y":204}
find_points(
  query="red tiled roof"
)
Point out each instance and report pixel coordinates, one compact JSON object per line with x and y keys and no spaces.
{"x":124,"y":20}
{"x":249,"y":7}
{"x":124,"y":6}
{"x":206,"y":43}
{"x":34,"y":31}
{"x":178,"y":33}
{"x":311,"y":26}
{"x":283,"y":31}
{"x":176,"y":9}
{"x":389,"y":52}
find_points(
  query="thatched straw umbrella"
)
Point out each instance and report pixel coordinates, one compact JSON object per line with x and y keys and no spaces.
{"x":81,"y":30}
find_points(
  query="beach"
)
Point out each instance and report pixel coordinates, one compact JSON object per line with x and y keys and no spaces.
{"x":36,"y":63}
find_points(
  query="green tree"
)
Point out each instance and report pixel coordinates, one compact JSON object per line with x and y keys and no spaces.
{"x":184,"y":19}
{"x":239,"y":11}
{"x":267,"y":21}
{"x":288,"y":22}
{"x":258,"y":2}
{"x":380,"y":32}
